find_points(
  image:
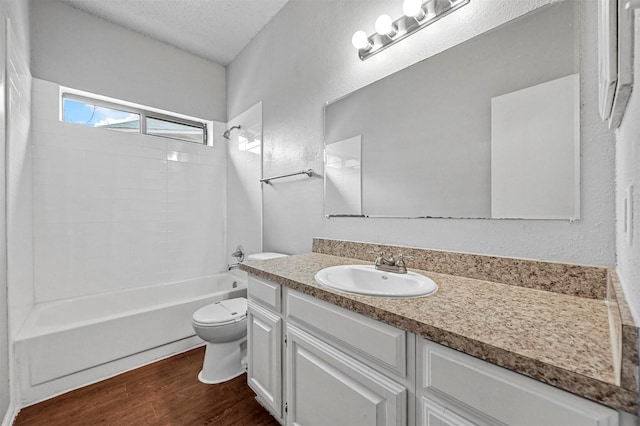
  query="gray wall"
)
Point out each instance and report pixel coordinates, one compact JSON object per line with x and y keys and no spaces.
{"x":628,"y":173}
{"x":77,"y":50}
{"x":294,"y":79}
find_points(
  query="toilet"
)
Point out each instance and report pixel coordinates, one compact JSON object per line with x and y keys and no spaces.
{"x":223,"y":325}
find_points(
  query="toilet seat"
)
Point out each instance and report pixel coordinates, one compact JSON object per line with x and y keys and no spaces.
{"x":221,"y":313}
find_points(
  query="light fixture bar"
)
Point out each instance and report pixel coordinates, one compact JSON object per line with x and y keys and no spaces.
{"x":406,"y":25}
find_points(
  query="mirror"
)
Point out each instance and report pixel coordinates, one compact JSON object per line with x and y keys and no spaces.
{"x":486,"y":129}
{"x":343,"y":185}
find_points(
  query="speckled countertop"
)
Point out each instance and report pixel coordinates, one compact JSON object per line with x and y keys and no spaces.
{"x":559,"y":339}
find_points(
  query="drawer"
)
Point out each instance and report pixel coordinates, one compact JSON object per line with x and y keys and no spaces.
{"x":372,"y":340}
{"x":265,"y":293}
{"x":502,"y":394}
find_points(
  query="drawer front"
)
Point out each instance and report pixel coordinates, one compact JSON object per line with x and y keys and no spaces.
{"x":504,"y":395}
{"x":380,"y":343}
{"x":265,"y":293}
{"x":434,"y":414}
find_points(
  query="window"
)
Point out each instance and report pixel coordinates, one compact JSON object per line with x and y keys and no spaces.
{"x":109,"y":114}
{"x":168,"y":128}
{"x":87,"y":114}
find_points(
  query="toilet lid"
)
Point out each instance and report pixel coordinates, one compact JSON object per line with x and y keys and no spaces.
{"x":223,"y":312}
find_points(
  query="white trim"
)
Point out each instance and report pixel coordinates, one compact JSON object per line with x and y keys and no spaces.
{"x":10,"y":415}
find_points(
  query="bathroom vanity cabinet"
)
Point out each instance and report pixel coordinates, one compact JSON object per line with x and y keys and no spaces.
{"x":312,"y":362}
{"x":264,"y":340}
{"x":342,"y":368}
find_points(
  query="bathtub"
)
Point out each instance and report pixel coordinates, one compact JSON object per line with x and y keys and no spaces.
{"x":62,"y":338}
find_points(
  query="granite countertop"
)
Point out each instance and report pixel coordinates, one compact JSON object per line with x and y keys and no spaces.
{"x":559,"y":339}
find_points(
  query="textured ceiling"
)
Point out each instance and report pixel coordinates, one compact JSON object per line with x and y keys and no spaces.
{"x":216,"y":30}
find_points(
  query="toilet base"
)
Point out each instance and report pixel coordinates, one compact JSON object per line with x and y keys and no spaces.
{"x":223,"y":361}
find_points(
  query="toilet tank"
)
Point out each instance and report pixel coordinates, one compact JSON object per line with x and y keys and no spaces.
{"x":265,"y":256}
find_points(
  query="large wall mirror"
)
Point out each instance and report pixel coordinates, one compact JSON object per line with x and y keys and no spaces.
{"x":487,"y":129}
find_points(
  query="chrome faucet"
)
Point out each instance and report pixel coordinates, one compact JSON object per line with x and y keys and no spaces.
{"x":238,"y":254}
{"x":390,"y":264}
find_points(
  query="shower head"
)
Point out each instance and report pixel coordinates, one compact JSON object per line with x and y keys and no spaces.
{"x":227,"y":132}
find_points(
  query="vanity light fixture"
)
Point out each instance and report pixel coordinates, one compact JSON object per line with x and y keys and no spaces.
{"x":417,"y":15}
{"x":360,"y":41}
{"x":385,"y":27}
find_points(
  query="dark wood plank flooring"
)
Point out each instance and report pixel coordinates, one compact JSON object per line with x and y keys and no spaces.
{"x":163,"y":393}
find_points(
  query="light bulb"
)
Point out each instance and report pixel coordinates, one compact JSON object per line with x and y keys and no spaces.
{"x":360,"y":40}
{"x":413,"y":9}
{"x":384,"y":26}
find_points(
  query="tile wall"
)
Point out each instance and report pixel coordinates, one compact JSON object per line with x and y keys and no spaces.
{"x":19,"y":179}
{"x":114,"y":210}
{"x":244,"y":207}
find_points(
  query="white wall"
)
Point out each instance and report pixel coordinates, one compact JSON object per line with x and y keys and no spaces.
{"x":5,"y":396}
{"x":16,"y":296}
{"x":19,"y":178}
{"x":628,"y":173}
{"x":131,"y":210}
{"x":244,"y":193}
{"x":117,"y":210}
{"x":78,"y":50}
{"x":304,"y":58}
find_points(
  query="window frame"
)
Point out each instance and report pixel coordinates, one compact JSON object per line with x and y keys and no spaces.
{"x":141,"y":111}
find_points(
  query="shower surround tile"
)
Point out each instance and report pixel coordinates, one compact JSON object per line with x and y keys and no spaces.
{"x":114,"y":210}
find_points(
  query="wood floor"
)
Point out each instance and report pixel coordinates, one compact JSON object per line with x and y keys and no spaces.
{"x":164,"y":393}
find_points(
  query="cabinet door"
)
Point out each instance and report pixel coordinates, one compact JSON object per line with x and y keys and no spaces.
{"x":327,"y":387}
{"x":434,"y":414}
{"x":264,"y":356}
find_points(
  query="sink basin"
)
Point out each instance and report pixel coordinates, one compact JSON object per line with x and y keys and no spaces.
{"x":365,"y":279}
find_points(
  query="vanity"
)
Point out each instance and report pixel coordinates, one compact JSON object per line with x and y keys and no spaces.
{"x":477,"y":352}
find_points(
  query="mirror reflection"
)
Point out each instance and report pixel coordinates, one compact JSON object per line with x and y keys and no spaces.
{"x":343,"y":180}
{"x":486,"y":129}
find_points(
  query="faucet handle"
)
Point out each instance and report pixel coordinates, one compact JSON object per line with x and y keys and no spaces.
{"x":379,"y":256}
{"x":401,"y":258}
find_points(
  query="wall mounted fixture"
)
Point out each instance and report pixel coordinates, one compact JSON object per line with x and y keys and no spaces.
{"x":417,"y":15}
{"x":268,"y":180}
{"x":227,"y":133}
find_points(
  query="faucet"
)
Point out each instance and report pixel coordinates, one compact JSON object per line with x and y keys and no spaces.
{"x":391,"y":264}
{"x":238,"y":254}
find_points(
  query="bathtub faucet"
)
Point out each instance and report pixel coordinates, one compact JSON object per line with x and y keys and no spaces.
{"x":234,"y":266}
{"x":238,"y":254}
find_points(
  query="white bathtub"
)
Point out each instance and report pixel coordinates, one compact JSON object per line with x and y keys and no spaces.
{"x":65,"y":337}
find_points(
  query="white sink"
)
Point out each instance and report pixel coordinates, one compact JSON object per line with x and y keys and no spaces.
{"x":365,"y":279}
